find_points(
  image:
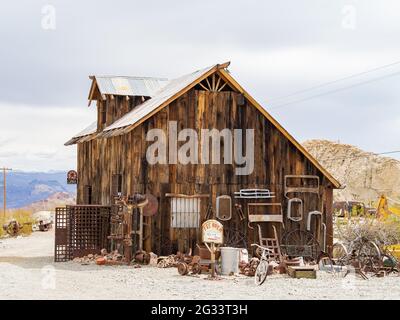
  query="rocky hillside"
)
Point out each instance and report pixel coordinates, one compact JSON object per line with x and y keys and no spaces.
{"x":364,"y":174}
{"x":58,"y":199}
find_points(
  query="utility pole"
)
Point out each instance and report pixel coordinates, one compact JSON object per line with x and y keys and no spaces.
{"x":5,"y":190}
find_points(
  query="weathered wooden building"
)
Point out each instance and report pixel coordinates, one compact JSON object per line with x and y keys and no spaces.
{"x":112,"y":154}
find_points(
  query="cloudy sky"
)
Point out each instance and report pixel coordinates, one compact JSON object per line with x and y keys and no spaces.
{"x":49,"y":48}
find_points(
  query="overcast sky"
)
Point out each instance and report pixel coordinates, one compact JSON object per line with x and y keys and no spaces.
{"x":275,"y":49}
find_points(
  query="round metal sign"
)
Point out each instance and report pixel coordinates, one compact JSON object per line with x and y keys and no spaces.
{"x":212,"y":231}
{"x":151,"y":208}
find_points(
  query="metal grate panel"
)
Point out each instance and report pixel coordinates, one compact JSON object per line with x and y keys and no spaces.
{"x":61,"y":249}
{"x":80,"y":230}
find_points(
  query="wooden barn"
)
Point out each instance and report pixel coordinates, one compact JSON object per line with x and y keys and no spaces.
{"x":286,"y":188}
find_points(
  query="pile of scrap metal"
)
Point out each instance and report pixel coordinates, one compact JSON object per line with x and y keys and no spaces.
{"x":249,"y":269}
{"x":112,"y":258}
{"x":168,"y":262}
{"x":174,"y":259}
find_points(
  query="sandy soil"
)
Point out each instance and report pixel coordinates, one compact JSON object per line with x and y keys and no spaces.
{"x":27,"y":271}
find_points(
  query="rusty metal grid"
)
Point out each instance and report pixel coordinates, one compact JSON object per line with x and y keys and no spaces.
{"x":81,"y":230}
{"x":87,"y":224}
{"x":62,"y":250}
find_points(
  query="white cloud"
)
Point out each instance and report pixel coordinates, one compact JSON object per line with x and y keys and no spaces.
{"x":33,"y":137}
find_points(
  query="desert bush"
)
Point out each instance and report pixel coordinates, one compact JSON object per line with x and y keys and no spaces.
{"x":381,"y":232}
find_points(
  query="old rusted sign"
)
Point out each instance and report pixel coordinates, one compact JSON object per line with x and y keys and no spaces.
{"x":72,"y":177}
{"x":212,"y":232}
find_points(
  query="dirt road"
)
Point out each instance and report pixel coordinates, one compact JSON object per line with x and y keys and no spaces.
{"x":27,"y":271}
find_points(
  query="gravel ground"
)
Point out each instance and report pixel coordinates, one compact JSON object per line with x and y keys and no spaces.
{"x":27,"y":271}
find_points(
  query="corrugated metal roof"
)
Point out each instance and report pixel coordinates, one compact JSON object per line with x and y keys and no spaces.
{"x":130,"y":86}
{"x":173,"y":87}
{"x":92,"y":128}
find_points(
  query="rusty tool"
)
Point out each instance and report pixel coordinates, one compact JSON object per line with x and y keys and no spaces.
{"x":239,"y":211}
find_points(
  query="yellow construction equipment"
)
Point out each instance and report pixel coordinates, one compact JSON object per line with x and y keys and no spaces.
{"x":383,"y":212}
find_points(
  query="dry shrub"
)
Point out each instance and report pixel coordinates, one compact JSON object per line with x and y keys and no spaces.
{"x":381,"y":232}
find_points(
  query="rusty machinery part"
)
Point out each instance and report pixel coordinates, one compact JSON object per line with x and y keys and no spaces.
{"x":325,"y":262}
{"x":239,"y":211}
{"x":196,"y":268}
{"x":370,"y":258}
{"x":136,"y":198}
{"x":390,"y":264}
{"x":142,"y":257}
{"x":12,"y":228}
{"x":196,"y":259}
{"x":300,"y":243}
{"x":151,"y":208}
{"x":183,"y":268}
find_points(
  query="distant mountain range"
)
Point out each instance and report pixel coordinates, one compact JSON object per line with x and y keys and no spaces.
{"x":25,"y":188}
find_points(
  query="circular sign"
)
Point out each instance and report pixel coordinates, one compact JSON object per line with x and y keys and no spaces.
{"x":212,"y":231}
{"x":72,"y":177}
{"x":150,"y":209}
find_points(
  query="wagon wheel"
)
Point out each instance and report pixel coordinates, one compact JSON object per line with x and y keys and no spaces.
{"x":196,"y":268}
{"x":235,"y":238}
{"x":182,"y":268}
{"x":369,"y":257}
{"x":339,"y":254}
{"x":301,"y":244}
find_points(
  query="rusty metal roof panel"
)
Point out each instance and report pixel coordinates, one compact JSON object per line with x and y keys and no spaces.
{"x":169,"y":90}
{"x":130,"y":86}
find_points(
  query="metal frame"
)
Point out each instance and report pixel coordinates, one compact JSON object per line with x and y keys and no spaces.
{"x":223,"y":217}
{"x":289,"y":209}
{"x":301,"y":189}
{"x":254,"y":194}
{"x":266,"y":217}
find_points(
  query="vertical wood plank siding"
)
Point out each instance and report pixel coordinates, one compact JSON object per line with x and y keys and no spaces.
{"x":275,"y":157}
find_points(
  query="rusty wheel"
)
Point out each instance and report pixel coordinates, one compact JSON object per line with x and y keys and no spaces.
{"x":196,"y":268}
{"x":369,"y":257}
{"x":182,"y":268}
{"x":300,"y":243}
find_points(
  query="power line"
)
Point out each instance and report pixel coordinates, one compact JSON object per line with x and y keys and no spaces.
{"x":336,"y":81}
{"x":336,"y":90}
{"x":359,"y":156}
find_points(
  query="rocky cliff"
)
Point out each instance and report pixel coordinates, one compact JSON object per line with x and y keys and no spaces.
{"x":365,"y":174}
